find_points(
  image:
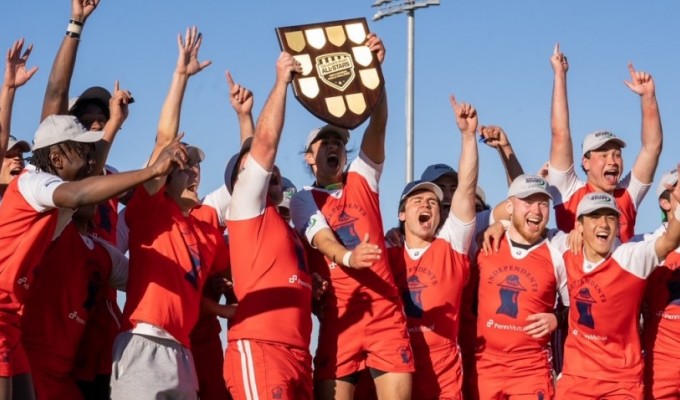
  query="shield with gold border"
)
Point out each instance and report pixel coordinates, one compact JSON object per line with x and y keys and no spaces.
{"x":341,"y":80}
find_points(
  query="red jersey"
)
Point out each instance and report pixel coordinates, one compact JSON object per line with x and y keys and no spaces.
{"x":105,"y":220}
{"x":603,"y":341}
{"x":69,"y":282}
{"x":431,"y":282}
{"x":29,"y":221}
{"x":269,"y":267}
{"x":351,"y":212}
{"x":662,"y":308}
{"x":171,"y":256}
{"x":514,"y":283}
{"x":567,"y":190}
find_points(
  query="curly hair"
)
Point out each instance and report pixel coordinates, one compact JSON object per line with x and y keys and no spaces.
{"x":41,"y":157}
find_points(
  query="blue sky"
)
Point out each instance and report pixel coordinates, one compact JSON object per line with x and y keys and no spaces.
{"x":493,"y":54}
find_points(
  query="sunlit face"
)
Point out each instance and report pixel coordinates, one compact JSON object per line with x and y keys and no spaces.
{"x":599,"y":231}
{"x":92,"y":116}
{"x":421,"y":215}
{"x":183,"y":186}
{"x":604,"y":167}
{"x":529,"y":217}
{"x":70,"y":165}
{"x":12,"y":165}
{"x":448,"y":184}
{"x":327,"y":158}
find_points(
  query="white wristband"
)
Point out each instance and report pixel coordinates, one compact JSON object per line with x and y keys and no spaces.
{"x":345,"y":259}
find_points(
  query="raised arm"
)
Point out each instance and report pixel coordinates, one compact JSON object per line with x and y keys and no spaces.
{"x":671,"y":239}
{"x":561,"y":147}
{"x":652,"y":134}
{"x":59,"y":82}
{"x":270,"y":123}
{"x":373,"y":142}
{"x":168,"y":124}
{"x":16,"y":75}
{"x":463,"y":202}
{"x":495,"y":137}
{"x":241,"y":100}
{"x":118,"y":113}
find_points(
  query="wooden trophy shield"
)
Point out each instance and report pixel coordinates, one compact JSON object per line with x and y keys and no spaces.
{"x":341,"y":81}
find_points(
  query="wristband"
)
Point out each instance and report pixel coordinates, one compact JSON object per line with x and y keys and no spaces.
{"x":345,"y":259}
{"x":74,"y":29}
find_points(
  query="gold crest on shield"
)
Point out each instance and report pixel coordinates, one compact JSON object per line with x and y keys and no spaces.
{"x":341,"y":80}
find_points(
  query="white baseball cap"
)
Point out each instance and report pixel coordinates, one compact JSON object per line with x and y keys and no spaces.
{"x":668,"y":178}
{"x":526,"y":185}
{"x":23,"y":145}
{"x":420,"y":185}
{"x":597,"y":139}
{"x":435,"y":171}
{"x":596,"y":201}
{"x":315,"y":134}
{"x":92,"y":93}
{"x":61,"y":128}
{"x":289,"y":191}
{"x":196,"y":155}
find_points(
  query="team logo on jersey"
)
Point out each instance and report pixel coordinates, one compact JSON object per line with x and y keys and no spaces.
{"x":277,"y":393}
{"x":509,"y":294}
{"x":540,"y":395}
{"x":346,"y":231}
{"x":674,"y":288}
{"x":584,"y":306}
{"x":299,"y":251}
{"x":413,"y":303}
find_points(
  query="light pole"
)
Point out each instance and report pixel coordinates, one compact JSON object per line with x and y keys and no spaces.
{"x":387,"y":8}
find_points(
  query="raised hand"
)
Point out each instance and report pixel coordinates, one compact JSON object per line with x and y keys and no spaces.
{"x":15,"y":67}
{"x":493,"y":136}
{"x":240,"y":97}
{"x":187,"y":61}
{"x":375,"y":44}
{"x":286,"y":66}
{"x":82,"y":9}
{"x":558,"y":61}
{"x":365,"y":254}
{"x":118,"y":104}
{"x":640,"y":82}
{"x":466,"y":116}
{"x":172,"y":156}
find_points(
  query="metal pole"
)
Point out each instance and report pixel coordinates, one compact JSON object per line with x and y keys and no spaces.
{"x":409,"y":94}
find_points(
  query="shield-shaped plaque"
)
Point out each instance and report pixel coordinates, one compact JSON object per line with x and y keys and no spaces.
{"x":341,"y":81}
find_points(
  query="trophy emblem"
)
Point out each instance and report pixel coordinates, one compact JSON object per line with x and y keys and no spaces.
{"x":341,"y":80}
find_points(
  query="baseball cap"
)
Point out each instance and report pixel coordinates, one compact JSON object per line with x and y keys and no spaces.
{"x":480,"y":193}
{"x":23,"y":145}
{"x":596,"y":201}
{"x":61,"y":128}
{"x":315,"y":134}
{"x":668,"y":178}
{"x":597,"y":139}
{"x":92,"y":93}
{"x":414,"y":186}
{"x":231,"y":171}
{"x":435,"y":171}
{"x":196,"y":155}
{"x":289,"y":191}
{"x":526,"y":185}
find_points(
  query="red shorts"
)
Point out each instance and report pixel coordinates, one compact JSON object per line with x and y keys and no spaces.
{"x":362,"y":335}
{"x":209,"y":362}
{"x":50,"y":386}
{"x":662,"y":376}
{"x":577,"y":387}
{"x":438,"y":373}
{"x":517,"y":375}
{"x":254,"y":369}
{"x":13,"y":359}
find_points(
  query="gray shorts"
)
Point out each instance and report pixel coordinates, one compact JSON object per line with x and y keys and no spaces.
{"x":146,"y":367}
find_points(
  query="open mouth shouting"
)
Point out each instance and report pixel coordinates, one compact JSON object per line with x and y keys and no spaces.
{"x":611,"y":176}
{"x":333,"y":161}
{"x":534,"y":224}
